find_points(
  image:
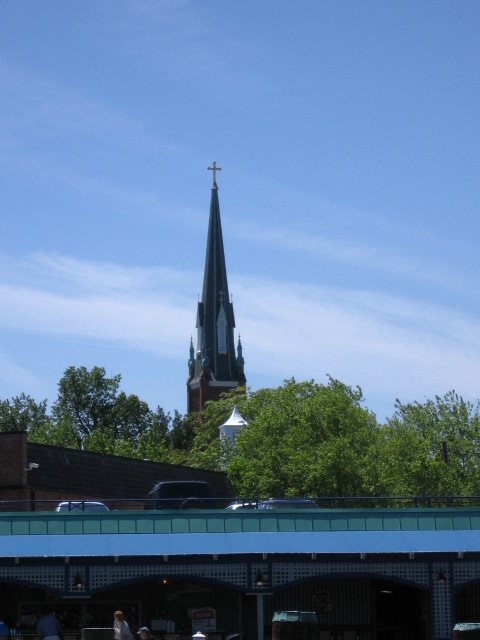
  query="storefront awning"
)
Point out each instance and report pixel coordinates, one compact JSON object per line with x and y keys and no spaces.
{"x":331,"y":542}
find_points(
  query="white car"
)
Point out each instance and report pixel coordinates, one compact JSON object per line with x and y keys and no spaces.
{"x":80,"y":505}
{"x":242,"y":505}
{"x":288,"y":503}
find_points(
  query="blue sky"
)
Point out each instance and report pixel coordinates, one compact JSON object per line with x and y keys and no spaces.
{"x":349,"y":140}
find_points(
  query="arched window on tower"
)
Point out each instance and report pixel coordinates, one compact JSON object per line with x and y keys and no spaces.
{"x":222,"y":330}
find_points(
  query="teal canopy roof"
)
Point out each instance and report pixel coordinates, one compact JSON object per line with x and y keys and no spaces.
{"x":374,"y":531}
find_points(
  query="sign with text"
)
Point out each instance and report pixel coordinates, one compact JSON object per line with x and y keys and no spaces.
{"x":204,"y":620}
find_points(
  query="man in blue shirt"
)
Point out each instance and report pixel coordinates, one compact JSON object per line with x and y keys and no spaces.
{"x":48,"y":627}
{"x":4,"y":633}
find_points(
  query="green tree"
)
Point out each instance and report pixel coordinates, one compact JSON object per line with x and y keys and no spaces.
{"x":86,"y":400}
{"x":58,"y":434}
{"x":103,"y":419}
{"x":152,"y":443}
{"x":432,"y":448}
{"x":131,"y":417}
{"x":22,"y":413}
{"x":302,"y":439}
{"x":181,"y":435}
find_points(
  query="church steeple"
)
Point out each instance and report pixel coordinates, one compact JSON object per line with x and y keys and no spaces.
{"x":216,"y":368}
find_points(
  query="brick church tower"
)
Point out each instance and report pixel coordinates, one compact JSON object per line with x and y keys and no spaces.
{"x":214,"y":367}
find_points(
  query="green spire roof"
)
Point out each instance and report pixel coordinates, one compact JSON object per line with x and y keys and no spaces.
{"x":215,"y":318}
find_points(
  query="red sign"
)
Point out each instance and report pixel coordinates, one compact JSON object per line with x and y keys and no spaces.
{"x":204,"y":620}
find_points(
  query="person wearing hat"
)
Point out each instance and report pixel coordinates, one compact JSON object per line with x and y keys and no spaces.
{"x":144,"y":633}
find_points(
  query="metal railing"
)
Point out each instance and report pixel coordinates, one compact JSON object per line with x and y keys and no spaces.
{"x":94,"y":505}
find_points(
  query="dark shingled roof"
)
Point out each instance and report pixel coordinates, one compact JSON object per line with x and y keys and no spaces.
{"x":89,"y":474}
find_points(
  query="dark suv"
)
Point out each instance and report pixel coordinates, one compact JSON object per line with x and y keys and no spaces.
{"x":181,"y":494}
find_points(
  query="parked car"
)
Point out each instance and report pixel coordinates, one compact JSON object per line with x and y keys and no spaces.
{"x":80,"y":505}
{"x":288,"y":503}
{"x":181,"y":494}
{"x":242,"y":504}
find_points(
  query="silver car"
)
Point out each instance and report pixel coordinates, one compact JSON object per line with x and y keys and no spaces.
{"x":80,"y":505}
{"x":288,"y":503}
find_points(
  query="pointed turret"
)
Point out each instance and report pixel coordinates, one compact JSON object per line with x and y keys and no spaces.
{"x":217,"y":368}
{"x":230,"y":428}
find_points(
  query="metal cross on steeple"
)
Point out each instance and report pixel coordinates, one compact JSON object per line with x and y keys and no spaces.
{"x":214,"y":168}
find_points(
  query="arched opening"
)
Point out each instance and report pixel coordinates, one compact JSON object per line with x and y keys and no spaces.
{"x":356,"y":608}
{"x":467,"y":603}
{"x":13,"y":593}
{"x":401,"y":611}
{"x":167,"y":605}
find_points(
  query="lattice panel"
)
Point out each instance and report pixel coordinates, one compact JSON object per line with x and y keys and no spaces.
{"x":48,"y":576}
{"x":103,"y":576}
{"x":262,"y":569}
{"x":284,"y":573}
{"x":75,"y":573}
{"x":464,"y":572}
{"x":441,"y":599}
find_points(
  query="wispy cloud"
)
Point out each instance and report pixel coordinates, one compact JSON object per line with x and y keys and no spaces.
{"x":13,"y":373}
{"x":382,"y":258}
{"x":141,"y":308}
{"x":37,"y":104}
{"x":389,"y":345}
{"x":204,"y":55}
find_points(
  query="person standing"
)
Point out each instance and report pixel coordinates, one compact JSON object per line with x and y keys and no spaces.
{"x":145,"y":634}
{"x":48,"y":627}
{"x":4,"y":633}
{"x":120,"y":627}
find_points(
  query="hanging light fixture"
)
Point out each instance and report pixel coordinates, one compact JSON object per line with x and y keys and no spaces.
{"x":441,"y":577}
{"x":78,"y":581}
{"x":259,"y":579}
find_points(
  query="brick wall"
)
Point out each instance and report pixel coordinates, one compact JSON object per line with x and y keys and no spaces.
{"x":13,"y":459}
{"x":62,"y":474}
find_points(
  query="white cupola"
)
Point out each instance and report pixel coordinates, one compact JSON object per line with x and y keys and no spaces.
{"x":232,"y":426}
